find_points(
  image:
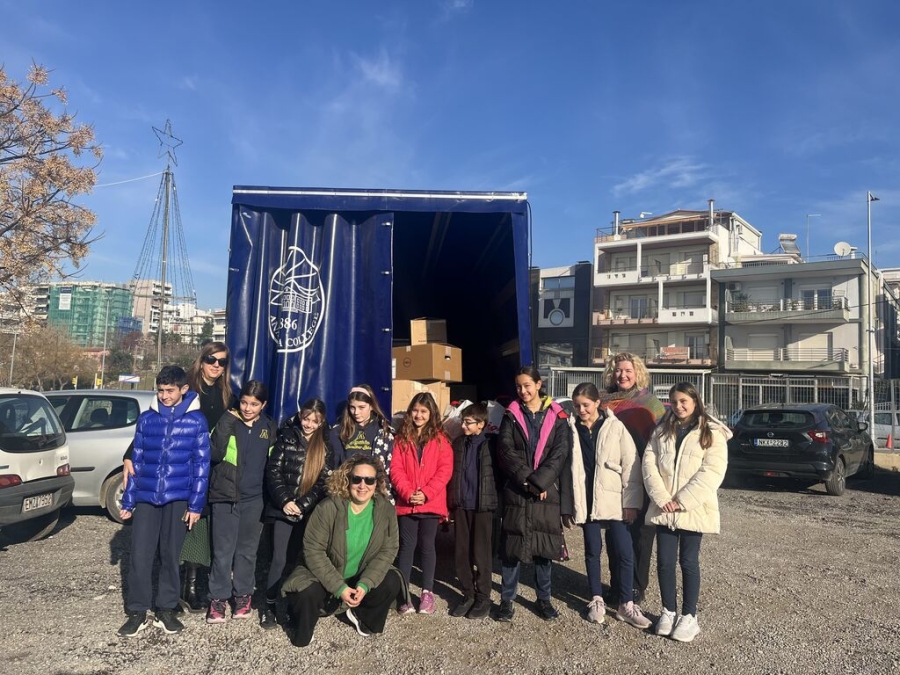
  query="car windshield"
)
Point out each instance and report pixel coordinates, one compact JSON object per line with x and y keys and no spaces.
{"x":777,"y":419}
{"x":28,"y":423}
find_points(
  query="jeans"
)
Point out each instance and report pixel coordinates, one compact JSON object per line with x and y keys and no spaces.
{"x":620,"y":534}
{"x":687,"y":547}
{"x":509,"y":574}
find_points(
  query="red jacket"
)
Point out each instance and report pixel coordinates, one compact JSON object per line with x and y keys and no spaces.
{"x":430,"y":476}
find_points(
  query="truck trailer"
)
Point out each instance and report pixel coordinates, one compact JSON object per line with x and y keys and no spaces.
{"x":323,"y":283}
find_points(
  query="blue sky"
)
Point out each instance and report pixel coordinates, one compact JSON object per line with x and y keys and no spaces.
{"x":774,"y":108}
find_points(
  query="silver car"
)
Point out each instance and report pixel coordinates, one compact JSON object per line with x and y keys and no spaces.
{"x":100,"y":426}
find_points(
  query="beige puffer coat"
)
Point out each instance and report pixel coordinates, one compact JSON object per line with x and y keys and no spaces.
{"x":691,"y":480}
{"x":617,"y":476}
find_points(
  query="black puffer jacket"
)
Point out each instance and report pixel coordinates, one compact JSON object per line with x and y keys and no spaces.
{"x":284,"y":472}
{"x":532,"y":527}
{"x":486,"y":499}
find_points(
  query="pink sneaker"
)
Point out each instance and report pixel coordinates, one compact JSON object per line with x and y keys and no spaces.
{"x":242,"y":607}
{"x":426,"y":604}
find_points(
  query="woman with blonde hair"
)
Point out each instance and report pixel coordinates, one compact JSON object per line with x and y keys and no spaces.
{"x":627,"y":393}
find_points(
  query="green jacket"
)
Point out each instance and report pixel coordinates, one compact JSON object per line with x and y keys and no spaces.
{"x":325,"y":547}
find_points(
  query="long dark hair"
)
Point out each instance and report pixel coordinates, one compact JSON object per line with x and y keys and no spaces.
{"x":432,"y":428}
{"x":348,"y":424}
{"x":315,"y":450}
{"x":669,"y":424}
{"x":195,"y":375}
{"x":535,"y":375}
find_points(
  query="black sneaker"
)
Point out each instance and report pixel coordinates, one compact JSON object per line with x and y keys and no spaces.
{"x":357,"y":624}
{"x":137,"y":621}
{"x":267,"y":617}
{"x":166,"y":619}
{"x":547,"y":611}
{"x":480,"y":609}
{"x":637,"y":596}
{"x":463,"y":606}
{"x":506,"y":611}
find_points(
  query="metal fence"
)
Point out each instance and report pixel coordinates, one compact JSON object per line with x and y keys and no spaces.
{"x":726,"y":393}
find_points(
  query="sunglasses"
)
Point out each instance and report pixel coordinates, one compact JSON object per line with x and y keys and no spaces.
{"x":369,"y":480}
{"x":209,"y":359}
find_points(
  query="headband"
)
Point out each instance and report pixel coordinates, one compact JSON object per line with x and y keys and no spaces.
{"x":360,"y":390}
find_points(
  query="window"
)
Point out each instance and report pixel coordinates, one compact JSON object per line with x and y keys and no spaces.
{"x":557,"y":283}
{"x":816,"y":298}
{"x":105,"y":412}
{"x":639,"y":308}
{"x":555,"y":354}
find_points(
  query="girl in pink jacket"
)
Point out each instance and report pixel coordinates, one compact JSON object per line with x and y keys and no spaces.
{"x":420,"y":470}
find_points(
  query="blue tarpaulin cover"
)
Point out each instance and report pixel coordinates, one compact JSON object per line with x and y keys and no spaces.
{"x":322,"y":282}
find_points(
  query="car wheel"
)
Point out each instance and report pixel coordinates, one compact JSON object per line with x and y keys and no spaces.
{"x":838,"y":481}
{"x":112,"y":496}
{"x":31,"y":530}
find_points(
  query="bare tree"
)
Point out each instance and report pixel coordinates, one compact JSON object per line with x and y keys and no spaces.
{"x":47,"y":358}
{"x":42,"y":229}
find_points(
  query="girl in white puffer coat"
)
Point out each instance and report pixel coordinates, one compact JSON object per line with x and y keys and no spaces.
{"x":683,"y":467}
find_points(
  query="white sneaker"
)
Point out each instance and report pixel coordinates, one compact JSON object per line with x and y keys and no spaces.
{"x":596,"y":610}
{"x":357,"y":624}
{"x":631,"y":613}
{"x":686,"y":629}
{"x":666,"y":623}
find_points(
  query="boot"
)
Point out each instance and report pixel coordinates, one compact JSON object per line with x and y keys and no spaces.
{"x":189,"y":597}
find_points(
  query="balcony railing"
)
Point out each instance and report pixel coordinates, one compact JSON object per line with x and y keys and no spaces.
{"x":661,"y":357}
{"x":792,"y":354}
{"x":820,"y":303}
{"x":678,"y":314}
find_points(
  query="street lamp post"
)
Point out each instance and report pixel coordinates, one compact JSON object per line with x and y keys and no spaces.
{"x":808,"y":216}
{"x":105,"y":336}
{"x":871,"y":313}
{"x":12,"y":360}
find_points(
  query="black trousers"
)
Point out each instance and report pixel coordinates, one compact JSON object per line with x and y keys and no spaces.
{"x":642,"y":538}
{"x":473,"y":552}
{"x":155,"y":528}
{"x":306,"y":606}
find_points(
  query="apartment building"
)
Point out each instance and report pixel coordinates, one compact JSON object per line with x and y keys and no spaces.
{"x":219,"y":324}
{"x":653,"y":291}
{"x":89,"y":311}
{"x":784,"y":315}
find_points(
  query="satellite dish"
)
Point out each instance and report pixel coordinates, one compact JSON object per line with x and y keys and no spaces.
{"x":842,"y":248}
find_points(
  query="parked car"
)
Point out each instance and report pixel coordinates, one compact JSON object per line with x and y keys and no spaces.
{"x":35,"y":479}
{"x":812,"y":442}
{"x":100,"y":425}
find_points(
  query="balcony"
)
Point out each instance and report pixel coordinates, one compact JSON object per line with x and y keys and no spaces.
{"x":680,"y":271}
{"x":789,"y":358}
{"x":832,"y":308}
{"x":664,"y":356}
{"x":666,"y":316}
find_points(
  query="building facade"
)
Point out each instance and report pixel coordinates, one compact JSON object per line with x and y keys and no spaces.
{"x":561,"y":301}
{"x":88,"y":311}
{"x":653,"y":291}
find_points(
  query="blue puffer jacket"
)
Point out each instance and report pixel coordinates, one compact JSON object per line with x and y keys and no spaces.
{"x":171,"y":456}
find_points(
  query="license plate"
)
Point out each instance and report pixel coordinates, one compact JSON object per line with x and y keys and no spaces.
{"x":771,"y":442}
{"x":37,"y":502}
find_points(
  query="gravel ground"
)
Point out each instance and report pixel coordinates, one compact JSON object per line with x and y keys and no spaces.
{"x":798,"y":582}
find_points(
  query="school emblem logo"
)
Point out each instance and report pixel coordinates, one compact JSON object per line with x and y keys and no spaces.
{"x":296,"y":302}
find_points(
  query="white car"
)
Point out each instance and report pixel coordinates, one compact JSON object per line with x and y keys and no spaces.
{"x":100,"y":425}
{"x":35,"y":479}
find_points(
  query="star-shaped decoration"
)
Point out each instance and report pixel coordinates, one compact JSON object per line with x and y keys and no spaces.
{"x":167,"y":142}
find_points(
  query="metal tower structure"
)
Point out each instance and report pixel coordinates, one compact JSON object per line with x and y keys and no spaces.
{"x":162,"y":281}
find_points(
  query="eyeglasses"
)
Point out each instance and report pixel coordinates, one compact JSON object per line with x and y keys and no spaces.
{"x":469,"y":423}
{"x":209,"y":360}
{"x":369,"y":480}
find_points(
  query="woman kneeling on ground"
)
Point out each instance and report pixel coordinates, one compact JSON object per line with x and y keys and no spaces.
{"x":350,"y":543}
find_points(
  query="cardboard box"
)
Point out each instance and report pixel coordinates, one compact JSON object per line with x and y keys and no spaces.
{"x":428,"y":362}
{"x":402,"y":392}
{"x":425,"y":330}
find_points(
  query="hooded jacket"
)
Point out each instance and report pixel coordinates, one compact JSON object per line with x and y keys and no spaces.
{"x":532,"y":527}
{"x":430,"y":475}
{"x":237,"y":451}
{"x":617,"y":483}
{"x":691,"y":477}
{"x":171,"y":456}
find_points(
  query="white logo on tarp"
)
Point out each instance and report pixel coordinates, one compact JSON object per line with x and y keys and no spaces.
{"x":296,"y":302}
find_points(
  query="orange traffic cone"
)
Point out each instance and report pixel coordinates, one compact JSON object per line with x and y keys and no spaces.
{"x":890,"y":442}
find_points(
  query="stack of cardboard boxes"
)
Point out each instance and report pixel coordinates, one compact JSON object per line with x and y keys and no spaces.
{"x":427,"y":364}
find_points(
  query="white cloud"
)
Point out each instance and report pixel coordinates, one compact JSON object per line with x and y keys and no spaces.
{"x":678,"y":173}
{"x":381,"y":70}
{"x":189,"y":82}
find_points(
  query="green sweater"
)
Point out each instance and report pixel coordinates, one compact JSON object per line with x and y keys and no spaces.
{"x":359,"y":532}
{"x":325,"y":547}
